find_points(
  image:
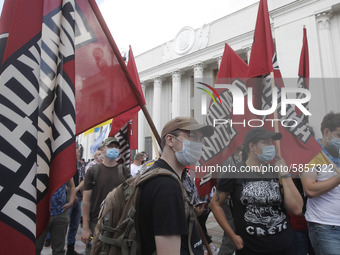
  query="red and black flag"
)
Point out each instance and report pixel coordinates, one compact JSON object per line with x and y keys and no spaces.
{"x":303,"y":80}
{"x":298,"y":146}
{"x":37,"y":123}
{"x":59,"y":67}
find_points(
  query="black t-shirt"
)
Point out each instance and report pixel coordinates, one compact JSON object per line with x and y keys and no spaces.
{"x":259,"y":214}
{"x":162,"y":212}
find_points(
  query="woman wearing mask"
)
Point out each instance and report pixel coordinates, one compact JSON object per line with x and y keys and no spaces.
{"x":260,"y":203}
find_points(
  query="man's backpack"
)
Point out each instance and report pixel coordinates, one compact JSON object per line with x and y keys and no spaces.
{"x":116,"y":232}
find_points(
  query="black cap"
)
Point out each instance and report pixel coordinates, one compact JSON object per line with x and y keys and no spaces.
{"x":262,"y":133}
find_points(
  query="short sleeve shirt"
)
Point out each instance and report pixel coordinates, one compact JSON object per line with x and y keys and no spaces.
{"x":258,"y":211}
{"x":107,"y":180}
{"x":161,"y":210}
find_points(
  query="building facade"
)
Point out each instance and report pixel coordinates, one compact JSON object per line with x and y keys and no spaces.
{"x":169,"y":72}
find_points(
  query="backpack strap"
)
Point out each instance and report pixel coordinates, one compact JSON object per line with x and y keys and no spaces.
{"x":95,"y":174}
{"x":123,"y":176}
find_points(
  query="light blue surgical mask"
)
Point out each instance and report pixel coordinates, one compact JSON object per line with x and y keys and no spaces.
{"x":191,"y":152}
{"x":112,"y":153}
{"x":268,"y":153}
{"x":335,"y":142}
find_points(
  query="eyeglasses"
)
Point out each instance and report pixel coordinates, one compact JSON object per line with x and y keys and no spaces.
{"x":194,"y":137}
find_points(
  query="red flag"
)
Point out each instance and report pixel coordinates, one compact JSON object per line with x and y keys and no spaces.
{"x":303,"y":80}
{"x":227,"y":137}
{"x":121,"y":120}
{"x":124,"y":146}
{"x":133,"y":137}
{"x":131,"y":66}
{"x":104,"y":87}
{"x":37,"y":127}
{"x":304,"y":59}
{"x":298,"y":146}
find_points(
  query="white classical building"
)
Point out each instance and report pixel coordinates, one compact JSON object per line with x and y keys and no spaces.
{"x":168,"y":72}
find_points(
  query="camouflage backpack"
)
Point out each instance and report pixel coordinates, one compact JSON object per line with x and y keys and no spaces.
{"x":116,"y":231}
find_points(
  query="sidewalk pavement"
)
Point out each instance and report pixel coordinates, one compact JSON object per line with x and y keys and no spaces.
{"x":212,"y":226}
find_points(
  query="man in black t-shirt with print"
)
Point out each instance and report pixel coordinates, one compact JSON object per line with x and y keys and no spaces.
{"x":163,"y":224}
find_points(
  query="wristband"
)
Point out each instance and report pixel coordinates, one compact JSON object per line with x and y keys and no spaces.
{"x":286,"y":176}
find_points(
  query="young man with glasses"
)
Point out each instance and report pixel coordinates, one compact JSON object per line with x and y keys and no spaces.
{"x":164,"y":226}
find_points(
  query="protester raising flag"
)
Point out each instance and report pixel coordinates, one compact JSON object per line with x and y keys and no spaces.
{"x":297,"y":146}
{"x":37,"y":127}
{"x":303,"y":80}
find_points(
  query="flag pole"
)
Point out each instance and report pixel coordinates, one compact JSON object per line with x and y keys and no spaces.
{"x":154,"y":143}
{"x":115,"y":49}
{"x":276,"y":124}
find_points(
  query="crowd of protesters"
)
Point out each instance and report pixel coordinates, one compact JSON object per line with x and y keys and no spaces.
{"x":260,"y":212}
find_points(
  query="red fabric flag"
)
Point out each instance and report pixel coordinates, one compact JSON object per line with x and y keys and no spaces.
{"x":233,"y":69}
{"x":298,"y":146}
{"x":133,"y":137}
{"x":263,"y":43}
{"x":227,"y":137}
{"x":304,"y":58}
{"x":37,"y":124}
{"x":104,"y":87}
{"x":124,"y":145}
{"x":303,"y":80}
{"x":121,"y":120}
{"x":131,"y":66}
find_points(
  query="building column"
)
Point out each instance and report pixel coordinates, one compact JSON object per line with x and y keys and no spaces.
{"x":157,"y":102}
{"x":157,"y":108}
{"x":200,"y":98}
{"x":219,"y":60}
{"x":248,"y":51}
{"x":176,"y":93}
{"x":328,"y":67}
{"x":325,"y":42}
{"x":141,"y":123}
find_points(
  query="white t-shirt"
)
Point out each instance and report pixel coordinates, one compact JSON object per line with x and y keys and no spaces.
{"x":135,"y":169}
{"x":325,"y":209}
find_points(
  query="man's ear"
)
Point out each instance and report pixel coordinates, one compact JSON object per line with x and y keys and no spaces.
{"x":169,"y":140}
{"x":326,"y":132}
{"x":251,"y":146}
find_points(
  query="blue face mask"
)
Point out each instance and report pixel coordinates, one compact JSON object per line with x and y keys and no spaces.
{"x":335,"y":142}
{"x":112,"y":153}
{"x":268,"y":153}
{"x":191,"y":152}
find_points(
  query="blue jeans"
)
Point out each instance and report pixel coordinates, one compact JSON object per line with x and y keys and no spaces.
{"x":75,"y":214}
{"x":325,"y":239}
{"x":302,"y":244}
